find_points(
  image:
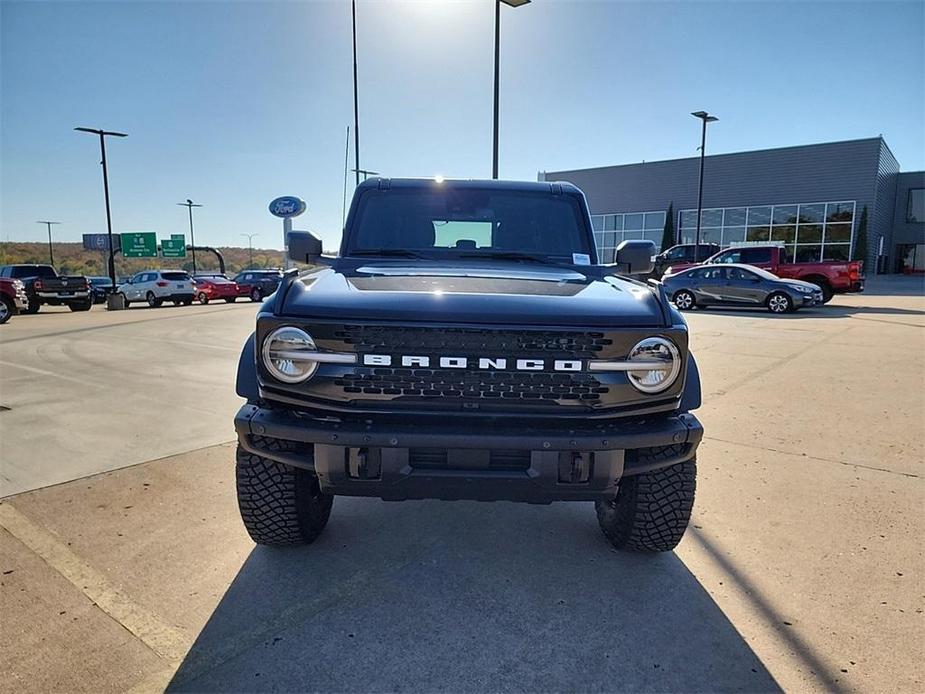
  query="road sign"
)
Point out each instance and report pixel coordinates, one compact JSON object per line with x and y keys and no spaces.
{"x":100,"y":242}
{"x":173,"y":247}
{"x":181,"y":237}
{"x":287,"y":206}
{"x":139,"y":244}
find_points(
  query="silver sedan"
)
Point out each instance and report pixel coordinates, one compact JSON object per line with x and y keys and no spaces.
{"x":734,"y":284}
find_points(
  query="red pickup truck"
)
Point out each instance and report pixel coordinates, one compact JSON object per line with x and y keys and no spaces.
{"x":832,"y":276}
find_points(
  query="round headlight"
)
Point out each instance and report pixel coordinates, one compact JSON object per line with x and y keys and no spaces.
{"x":655,"y":350}
{"x":287,"y":355}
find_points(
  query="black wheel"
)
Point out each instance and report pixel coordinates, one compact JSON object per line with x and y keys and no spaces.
{"x":152,"y":300}
{"x":651,"y":511}
{"x":6,"y":309}
{"x":187,"y":302}
{"x":125,"y":302}
{"x":83,"y":306}
{"x":256,"y":294}
{"x":32,"y":307}
{"x":827,"y":292}
{"x":176,"y":302}
{"x":779,"y":302}
{"x":203,"y":299}
{"x":279,"y":504}
{"x":231,"y":299}
{"x":684,"y":300}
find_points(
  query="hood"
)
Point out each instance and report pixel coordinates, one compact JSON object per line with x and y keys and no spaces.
{"x":472,"y":293}
{"x":801,"y":283}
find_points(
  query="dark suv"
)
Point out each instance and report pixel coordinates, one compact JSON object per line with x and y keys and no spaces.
{"x":257,"y":284}
{"x":463,"y":346}
{"x":682,"y":253}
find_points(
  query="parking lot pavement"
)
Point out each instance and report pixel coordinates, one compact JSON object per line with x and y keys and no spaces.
{"x":803,"y":569}
{"x":89,"y":392}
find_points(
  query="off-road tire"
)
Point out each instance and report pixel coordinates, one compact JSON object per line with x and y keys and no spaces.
{"x":279,"y":504}
{"x":651,"y":511}
{"x":84,"y":306}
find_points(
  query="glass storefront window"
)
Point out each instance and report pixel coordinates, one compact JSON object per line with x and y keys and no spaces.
{"x":758,"y":234}
{"x":835,"y":233}
{"x":734,"y":217}
{"x":788,"y":234}
{"x":655,"y":236}
{"x":759,"y":216}
{"x":915,"y":206}
{"x":809,"y":233}
{"x":655,"y":220}
{"x":632,"y":222}
{"x":812,"y":213}
{"x":839,"y":212}
{"x":618,"y":222}
{"x":785,"y":214}
{"x":689,"y":219}
{"x":836,"y":251}
{"x":808,"y":254}
{"x":711,"y":218}
{"x":597,"y":222}
{"x":733,"y":235}
{"x":711,"y":236}
{"x":608,"y":222}
{"x":610,"y":239}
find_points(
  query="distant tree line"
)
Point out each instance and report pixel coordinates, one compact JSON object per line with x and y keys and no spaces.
{"x":73,"y":259}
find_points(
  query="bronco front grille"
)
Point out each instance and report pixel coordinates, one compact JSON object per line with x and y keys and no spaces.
{"x":474,"y":341}
{"x":498,"y":385}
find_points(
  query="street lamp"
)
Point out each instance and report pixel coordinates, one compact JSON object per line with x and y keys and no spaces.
{"x":51,"y":255}
{"x":189,"y":204}
{"x":112,"y":257}
{"x":356,"y":100}
{"x":706,"y":118}
{"x":509,"y":3}
{"x":250,"y":247}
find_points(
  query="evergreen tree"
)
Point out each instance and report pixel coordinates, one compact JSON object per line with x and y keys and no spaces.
{"x":860,"y":250}
{"x":668,"y":239}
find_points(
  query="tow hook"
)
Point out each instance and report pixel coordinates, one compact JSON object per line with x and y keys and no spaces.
{"x":574,"y":467}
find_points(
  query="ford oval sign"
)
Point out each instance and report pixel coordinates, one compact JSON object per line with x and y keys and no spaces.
{"x":287,"y":206}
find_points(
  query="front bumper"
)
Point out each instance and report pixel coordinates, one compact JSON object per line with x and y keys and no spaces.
{"x":552,"y":463}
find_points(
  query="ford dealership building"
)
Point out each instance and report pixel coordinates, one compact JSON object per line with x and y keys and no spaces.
{"x":809,"y":198}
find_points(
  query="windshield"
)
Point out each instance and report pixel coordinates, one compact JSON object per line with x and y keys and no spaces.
{"x":447,"y":221}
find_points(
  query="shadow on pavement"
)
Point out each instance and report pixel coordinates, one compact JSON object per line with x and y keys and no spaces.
{"x":466,"y":596}
{"x":827,"y":311}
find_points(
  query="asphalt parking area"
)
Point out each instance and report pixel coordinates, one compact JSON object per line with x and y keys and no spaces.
{"x":803,"y":569}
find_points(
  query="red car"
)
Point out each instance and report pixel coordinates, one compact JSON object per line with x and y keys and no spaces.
{"x":13,"y":298}
{"x":832,"y":276}
{"x":209,"y":287}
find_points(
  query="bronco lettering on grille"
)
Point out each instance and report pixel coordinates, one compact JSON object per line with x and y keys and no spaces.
{"x":483,"y":363}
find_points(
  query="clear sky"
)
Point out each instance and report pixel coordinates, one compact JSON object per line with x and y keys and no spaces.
{"x":232,"y":104}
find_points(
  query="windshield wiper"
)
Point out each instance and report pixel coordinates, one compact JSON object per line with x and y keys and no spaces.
{"x":387,"y":252}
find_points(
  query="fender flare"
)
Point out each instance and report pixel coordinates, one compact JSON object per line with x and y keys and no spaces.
{"x":691,"y":398}
{"x":246,"y":383}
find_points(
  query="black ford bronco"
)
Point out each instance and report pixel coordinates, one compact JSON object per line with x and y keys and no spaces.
{"x":465,"y":344}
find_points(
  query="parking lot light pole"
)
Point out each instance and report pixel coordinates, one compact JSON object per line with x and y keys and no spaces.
{"x":112,"y":257}
{"x":509,"y":3}
{"x":356,"y":98}
{"x":189,"y":204}
{"x":51,"y":253}
{"x":250,"y":248}
{"x":706,"y":118}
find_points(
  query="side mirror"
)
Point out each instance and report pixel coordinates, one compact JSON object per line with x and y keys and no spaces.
{"x":635,"y":257}
{"x":304,"y":246}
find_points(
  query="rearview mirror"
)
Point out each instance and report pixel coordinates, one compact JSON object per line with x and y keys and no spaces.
{"x":635,"y":257}
{"x":304,"y":246}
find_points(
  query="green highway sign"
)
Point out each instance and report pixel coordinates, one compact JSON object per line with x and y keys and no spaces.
{"x":173,"y":247}
{"x":139,"y":244}
{"x":178,"y":236}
